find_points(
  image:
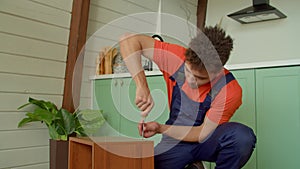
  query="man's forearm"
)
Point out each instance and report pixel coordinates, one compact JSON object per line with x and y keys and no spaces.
{"x":131,"y":51}
{"x":184,"y":133}
{"x":189,"y":133}
{"x":140,"y":79}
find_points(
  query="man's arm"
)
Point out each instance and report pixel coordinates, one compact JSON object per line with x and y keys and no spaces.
{"x":184,"y":133}
{"x":132,"y":47}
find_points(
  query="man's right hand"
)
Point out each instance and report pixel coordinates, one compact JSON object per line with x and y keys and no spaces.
{"x":132,"y":46}
{"x":143,"y":100}
{"x":148,"y":129}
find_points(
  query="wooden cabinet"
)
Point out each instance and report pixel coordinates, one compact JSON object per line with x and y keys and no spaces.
{"x":110,"y":153}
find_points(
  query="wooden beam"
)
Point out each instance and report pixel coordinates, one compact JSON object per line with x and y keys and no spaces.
{"x":77,"y":39}
{"x":201,"y":13}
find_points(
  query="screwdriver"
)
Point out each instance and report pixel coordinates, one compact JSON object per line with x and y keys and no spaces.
{"x":143,"y":125}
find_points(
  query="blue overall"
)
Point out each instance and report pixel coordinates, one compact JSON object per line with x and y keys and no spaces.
{"x":230,"y":145}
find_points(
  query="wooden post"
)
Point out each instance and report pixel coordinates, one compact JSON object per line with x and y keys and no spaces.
{"x":201,"y":13}
{"x":77,"y":39}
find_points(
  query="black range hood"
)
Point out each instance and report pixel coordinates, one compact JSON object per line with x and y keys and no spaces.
{"x":260,"y":11}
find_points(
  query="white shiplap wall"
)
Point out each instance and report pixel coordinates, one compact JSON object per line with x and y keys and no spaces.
{"x":33,"y":50}
{"x":109,"y":19}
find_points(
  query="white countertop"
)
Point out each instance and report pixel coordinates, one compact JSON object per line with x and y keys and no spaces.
{"x":278,"y":63}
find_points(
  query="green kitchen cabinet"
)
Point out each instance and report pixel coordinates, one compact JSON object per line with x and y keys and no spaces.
{"x":116,"y":98}
{"x":271,"y":107}
{"x":278,"y":117}
{"x":106,"y":97}
{"x":246,"y":112}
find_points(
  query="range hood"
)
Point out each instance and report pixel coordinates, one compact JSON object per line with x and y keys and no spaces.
{"x":260,"y":11}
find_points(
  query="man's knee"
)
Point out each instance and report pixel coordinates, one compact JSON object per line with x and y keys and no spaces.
{"x":243,"y":138}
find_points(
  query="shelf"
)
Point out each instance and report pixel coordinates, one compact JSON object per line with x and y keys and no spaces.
{"x":124,"y":75}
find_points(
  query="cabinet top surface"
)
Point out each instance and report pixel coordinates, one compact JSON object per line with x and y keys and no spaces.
{"x":267,"y":64}
{"x":107,"y":139}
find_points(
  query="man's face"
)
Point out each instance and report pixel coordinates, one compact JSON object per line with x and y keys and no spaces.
{"x":195,"y":78}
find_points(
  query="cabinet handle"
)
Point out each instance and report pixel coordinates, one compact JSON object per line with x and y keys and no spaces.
{"x":121,"y":82}
{"x":116,"y":83}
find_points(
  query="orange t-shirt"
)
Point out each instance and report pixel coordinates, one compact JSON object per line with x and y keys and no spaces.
{"x":169,"y":58}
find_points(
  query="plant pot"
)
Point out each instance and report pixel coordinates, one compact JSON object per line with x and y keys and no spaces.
{"x":59,"y":151}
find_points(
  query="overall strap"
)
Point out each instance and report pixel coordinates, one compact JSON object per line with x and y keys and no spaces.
{"x":220,"y":84}
{"x":179,"y":75}
{"x":223,"y":81}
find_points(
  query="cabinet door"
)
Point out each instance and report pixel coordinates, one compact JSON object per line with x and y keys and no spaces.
{"x":130,"y":115}
{"x":107,"y":98}
{"x":246,"y":112}
{"x":278,"y":118}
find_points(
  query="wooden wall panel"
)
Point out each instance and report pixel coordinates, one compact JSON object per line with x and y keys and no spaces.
{"x":180,"y":9}
{"x":150,"y":5}
{"x":103,"y":15}
{"x":30,"y":84}
{"x":9,"y":121}
{"x":28,"y":28}
{"x":93,"y":26}
{"x":24,"y":157}
{"x":36,"y":166}
{"x":64,"y":5}
{"x":37,"y":12}
{"x":33,"y":51}
{"x":120,"y":6}
{"x":20,"y":64}
{"x":86,"y":89}
{"x":85,"y":103}
{"x":192,"y":2}
{"x":11,"y":101}
{"x":30,"y":138}
{"x":17,"y":45}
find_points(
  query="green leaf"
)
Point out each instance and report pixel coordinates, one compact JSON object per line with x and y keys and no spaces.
{"x":90,"y":120}
{"x":47,"y":105}
{"x":67,"y":121}
{"x":42,"y":115}
{"x":80,"y":132}
{"x":63,"y":137}
{"x":90,"y":115}
{"x":24,"y":105}
{"x":61,"y":123}
{"x":25,"y":121}
{"x":53,"y":133}
{"x":60,"y":128}
{"x":38,"y":115}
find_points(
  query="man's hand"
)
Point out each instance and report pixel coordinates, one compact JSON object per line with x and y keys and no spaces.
{"x":132,"y":46}
{"x":149,"y":128}
{"x":143,"y":100}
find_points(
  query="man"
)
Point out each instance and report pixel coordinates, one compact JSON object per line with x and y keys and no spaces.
{"x":202,"y":95}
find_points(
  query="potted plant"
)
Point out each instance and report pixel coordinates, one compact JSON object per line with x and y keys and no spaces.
{"x":61,"y":124}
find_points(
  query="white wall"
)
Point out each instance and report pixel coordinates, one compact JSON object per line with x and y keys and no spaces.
{"x":33,"y":48}
{"x":271,"y":41}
